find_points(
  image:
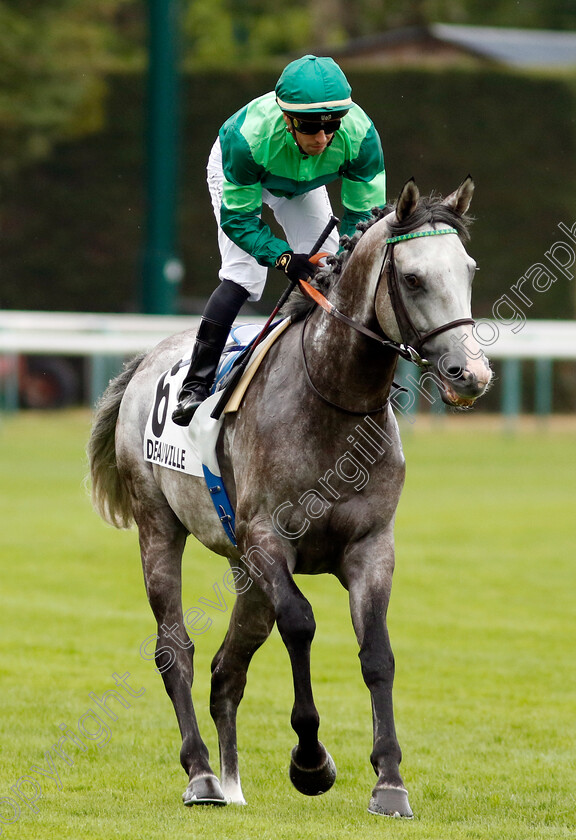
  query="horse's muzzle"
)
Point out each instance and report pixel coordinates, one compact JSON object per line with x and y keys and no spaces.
{"x":463,"y":379}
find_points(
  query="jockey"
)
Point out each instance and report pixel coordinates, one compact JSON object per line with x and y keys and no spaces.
{"x":281,"y":150}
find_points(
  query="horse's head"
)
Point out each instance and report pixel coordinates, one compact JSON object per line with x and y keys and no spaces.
{"x":424,"y":295}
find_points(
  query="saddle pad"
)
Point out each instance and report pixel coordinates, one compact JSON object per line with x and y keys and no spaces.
{"x":182,"y":448}
{"x":192,"y":449}
{"x":187,"y":448}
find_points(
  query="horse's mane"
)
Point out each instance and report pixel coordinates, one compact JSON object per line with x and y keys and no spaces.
{"x":429,"y":210}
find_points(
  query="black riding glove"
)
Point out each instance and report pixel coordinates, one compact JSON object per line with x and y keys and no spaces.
{"x":296,"y":266}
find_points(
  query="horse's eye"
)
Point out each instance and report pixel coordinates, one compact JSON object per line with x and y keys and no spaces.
{"x":412,"y":281}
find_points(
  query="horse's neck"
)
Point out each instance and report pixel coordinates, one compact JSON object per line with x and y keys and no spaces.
{"x":355,"y":291}
{"x":346,"y":366}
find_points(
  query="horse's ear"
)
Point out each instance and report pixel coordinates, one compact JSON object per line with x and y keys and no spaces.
{"x":407,"y":200}
{"x":460,"y":199}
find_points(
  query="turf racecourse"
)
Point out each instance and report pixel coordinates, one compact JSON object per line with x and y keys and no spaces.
{"x":483,"y":627}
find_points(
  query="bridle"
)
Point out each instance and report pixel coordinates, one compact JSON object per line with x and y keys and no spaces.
{"x":413,"y":340}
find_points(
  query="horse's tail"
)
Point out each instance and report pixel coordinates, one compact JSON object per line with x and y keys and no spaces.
{"x":110,"y":495}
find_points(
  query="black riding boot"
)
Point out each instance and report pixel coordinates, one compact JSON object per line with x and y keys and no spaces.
{"x":221,"y":310}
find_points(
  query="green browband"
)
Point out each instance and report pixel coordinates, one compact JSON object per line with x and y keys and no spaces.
{"x":419,"y":233}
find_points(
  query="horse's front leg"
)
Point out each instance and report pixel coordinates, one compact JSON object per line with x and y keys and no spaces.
{"x":312,"y":770}
{"x":368,"y":576}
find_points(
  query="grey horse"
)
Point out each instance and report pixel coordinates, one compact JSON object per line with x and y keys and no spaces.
{"x":314,"y":467}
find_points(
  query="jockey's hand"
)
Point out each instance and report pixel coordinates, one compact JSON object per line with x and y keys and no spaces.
{"x":296,"y":266}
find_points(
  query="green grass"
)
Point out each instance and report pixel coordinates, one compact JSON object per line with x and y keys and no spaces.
{"x":482,"y":623}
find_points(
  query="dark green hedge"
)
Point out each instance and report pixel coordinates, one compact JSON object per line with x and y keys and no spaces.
{"x":73,"y":228}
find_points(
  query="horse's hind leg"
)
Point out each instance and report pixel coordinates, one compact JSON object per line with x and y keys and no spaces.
{"x":250,"y":625}
{"x":162,"y":540}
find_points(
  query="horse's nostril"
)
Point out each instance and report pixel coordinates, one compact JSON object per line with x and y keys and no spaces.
{"x":454,"y":371}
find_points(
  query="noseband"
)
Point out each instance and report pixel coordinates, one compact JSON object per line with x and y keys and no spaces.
{"x":413,"y":340}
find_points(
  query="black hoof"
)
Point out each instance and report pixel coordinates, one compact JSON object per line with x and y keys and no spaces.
{"x":390,"y":802}
{"x":313,"y":781}
{"x":204,"y":790}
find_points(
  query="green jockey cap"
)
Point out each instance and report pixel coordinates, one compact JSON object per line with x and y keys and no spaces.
{"x":314,"y":85}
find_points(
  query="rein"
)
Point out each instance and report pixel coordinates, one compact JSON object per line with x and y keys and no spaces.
{"x":413,"y":340}
{"x":313,"y":387}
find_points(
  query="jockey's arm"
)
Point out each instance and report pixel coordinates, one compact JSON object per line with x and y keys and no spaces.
{"x":240,"y":220}
{"x":358,"y":199}
{"x":363,"y":183}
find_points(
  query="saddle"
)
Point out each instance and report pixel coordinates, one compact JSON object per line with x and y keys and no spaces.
{"x":240,"y":340}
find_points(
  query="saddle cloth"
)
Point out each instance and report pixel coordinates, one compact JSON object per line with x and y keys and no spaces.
{"x":192,"y":449}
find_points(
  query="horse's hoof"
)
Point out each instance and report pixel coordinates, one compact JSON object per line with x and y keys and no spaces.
{"x":315,"y":780}
{"x":390,"y":802}
{"x":204,"y":790}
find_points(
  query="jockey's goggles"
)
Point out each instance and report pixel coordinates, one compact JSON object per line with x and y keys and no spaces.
{"x":315,"y":126}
